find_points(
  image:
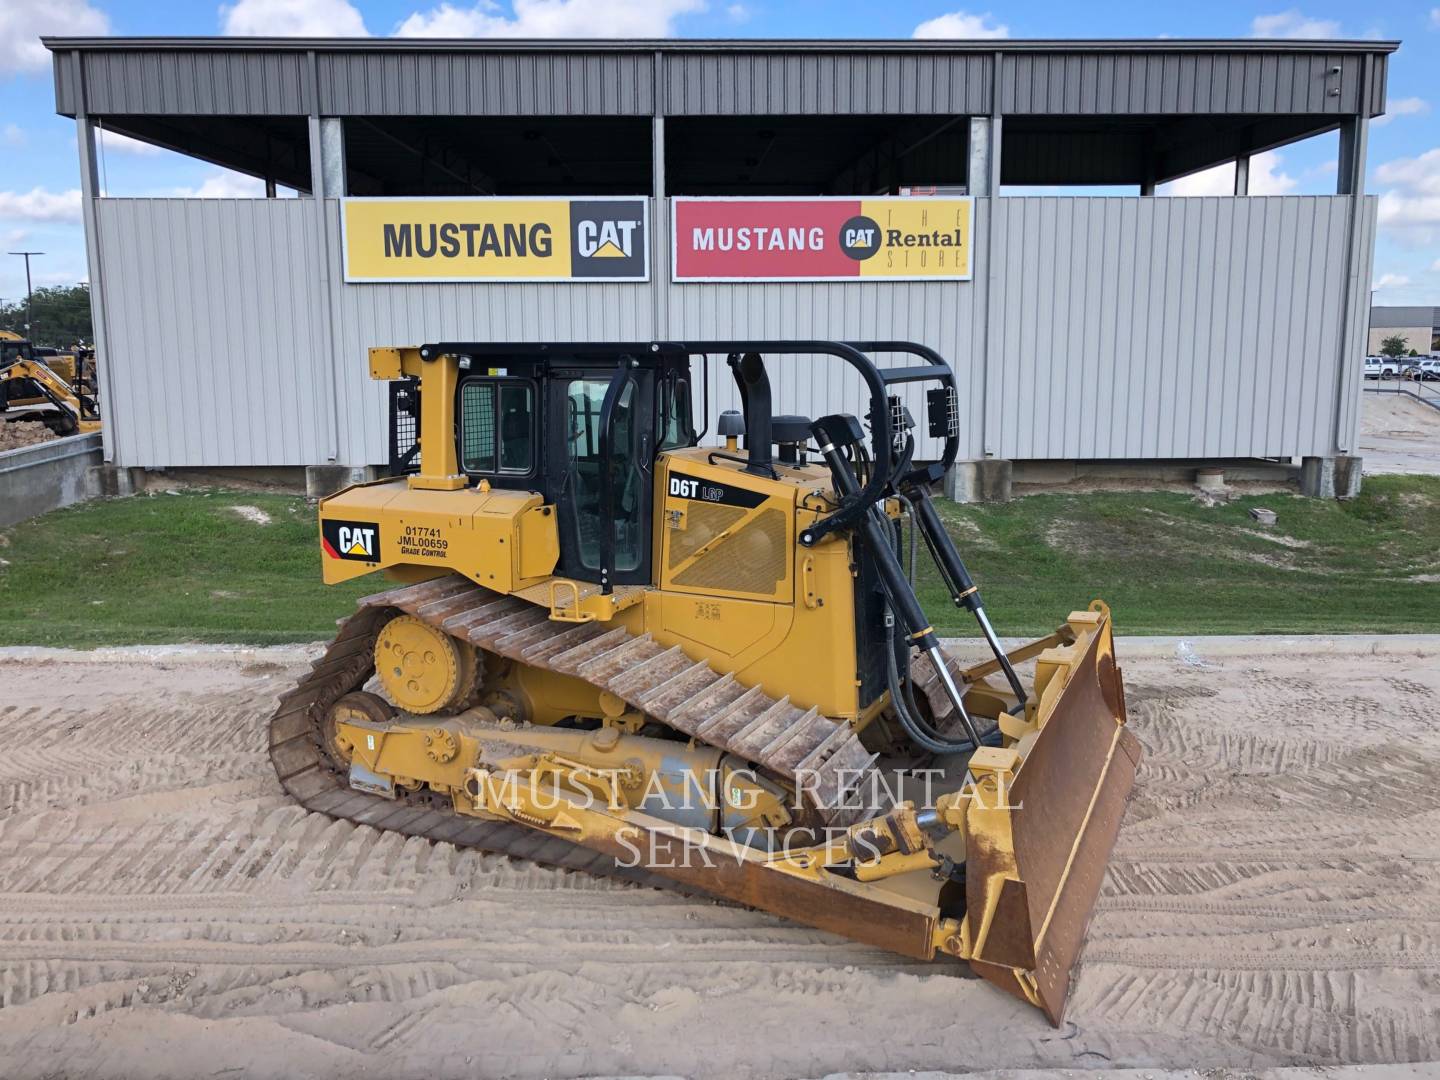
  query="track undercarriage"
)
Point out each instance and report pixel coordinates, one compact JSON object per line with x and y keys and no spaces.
{"x":689,"y":779}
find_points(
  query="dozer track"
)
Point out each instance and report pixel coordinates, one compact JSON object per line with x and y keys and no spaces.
{"x":689,"y":696}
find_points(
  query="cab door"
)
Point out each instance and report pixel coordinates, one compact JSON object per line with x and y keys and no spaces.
{"x":601,"y":458}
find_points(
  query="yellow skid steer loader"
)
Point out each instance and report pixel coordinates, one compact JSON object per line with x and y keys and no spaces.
{"x":608,"y":648}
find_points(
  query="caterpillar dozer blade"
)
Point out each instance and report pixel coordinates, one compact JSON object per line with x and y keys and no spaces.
{"x":610,"y":649}
{"x":1068,"y":797}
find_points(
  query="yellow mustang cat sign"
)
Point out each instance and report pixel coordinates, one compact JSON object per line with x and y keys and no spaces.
{"x":495,"y":239}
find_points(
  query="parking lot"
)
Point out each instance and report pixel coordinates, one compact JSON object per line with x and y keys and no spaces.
{"x":1399,"y":434}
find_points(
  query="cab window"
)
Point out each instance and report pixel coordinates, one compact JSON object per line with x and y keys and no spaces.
{"x":497,"y":426}
{"x":677,"y":429}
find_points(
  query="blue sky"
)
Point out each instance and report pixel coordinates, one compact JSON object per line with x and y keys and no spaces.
{"x":39,"y":203}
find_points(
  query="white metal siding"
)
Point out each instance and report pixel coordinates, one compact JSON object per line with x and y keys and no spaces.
{"x":213,"y":310}
{"x":1121,"y":328}
{"x":1171,"y":327}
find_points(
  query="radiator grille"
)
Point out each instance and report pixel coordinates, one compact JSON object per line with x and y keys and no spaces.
{"x":753,"y":560}
{"x":703,"y":522}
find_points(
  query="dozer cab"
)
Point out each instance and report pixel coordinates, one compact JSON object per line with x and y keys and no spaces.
{"x":607,"y":647}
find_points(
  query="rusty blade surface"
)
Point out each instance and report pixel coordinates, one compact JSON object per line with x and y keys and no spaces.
{"x":1071,"y":793}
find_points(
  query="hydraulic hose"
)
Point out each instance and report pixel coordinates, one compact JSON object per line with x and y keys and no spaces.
{"x":920,"y":733}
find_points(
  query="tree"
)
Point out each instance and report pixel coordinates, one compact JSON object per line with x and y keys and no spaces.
{"x":1394,"y":346}
{"x":61,"y":313}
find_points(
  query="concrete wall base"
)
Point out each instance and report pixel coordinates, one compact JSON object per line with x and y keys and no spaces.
{"x":286,"y":479}
{"x":987,"y":480}
{"x":1348,"y":472}
{"x":37,"y":479}
{"x":1139,"y":474}
{"x":113,"y":481}
{"x":1331,"y":477}
{"x":323,"y":480}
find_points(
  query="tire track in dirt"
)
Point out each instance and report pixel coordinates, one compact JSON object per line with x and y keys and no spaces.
{"x":1272,"y":900}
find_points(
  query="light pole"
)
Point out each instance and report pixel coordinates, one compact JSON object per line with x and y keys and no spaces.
{"x":29,"y":319}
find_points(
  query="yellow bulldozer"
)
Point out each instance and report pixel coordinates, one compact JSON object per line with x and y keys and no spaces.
{"x":45,"y":384}
{"x":606,"y":647}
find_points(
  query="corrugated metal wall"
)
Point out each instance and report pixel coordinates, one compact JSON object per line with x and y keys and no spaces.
{"x":774,"y":83}
{"x":1170,"y":328}
{"x":1120,"y":327}
{"x":214,"y":312}
{"x":1150,"y":83}
{"x":486,"y":84}
{"x":504,"y":78}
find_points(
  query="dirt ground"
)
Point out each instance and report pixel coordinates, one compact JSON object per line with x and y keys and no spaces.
{"x":1399,"y":435}
{"x":165,"y":911}
{"x":15,"y":434}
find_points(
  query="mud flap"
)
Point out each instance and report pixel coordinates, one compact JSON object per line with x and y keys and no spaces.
{"x":1032,"y":874}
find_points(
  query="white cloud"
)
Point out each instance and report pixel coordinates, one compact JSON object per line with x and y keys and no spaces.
{"x":551,"y":19}
{"x":1435,"y":265}
{"x":1410,"y":204}
{"x":961,"y":25}
{"x":738,"y":13}
{"x":1266,"y":178}
{"x":13,"y":135}
{"x":1391,"y":281}
{"x":292,"y":18}
{"x":1435,"y":18}
{"x":23,"y":21}
{"x":1405,"y":106}
{"x":112,"y":142}
{"x":14,"y":238}
{"x":1217,"y":181}
{"x":1292,"y":24}
{"x":223,"y":184}
{"x":40,"y":205}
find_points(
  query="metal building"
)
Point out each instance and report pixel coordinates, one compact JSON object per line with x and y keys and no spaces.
{"x":1085,"y":328}
{"x":1419,"y":327}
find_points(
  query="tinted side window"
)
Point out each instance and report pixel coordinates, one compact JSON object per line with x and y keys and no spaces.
{"x":497,"y":426}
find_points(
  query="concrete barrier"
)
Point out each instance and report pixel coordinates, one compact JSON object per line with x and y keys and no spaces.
{"x":37,"y":479}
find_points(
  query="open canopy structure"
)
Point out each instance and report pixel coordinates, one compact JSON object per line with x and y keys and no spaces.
{"x":423,"y":117}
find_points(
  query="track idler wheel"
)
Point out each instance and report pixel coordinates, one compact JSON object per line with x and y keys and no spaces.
{"x":358,"y":705}
{"x":423,"y":669}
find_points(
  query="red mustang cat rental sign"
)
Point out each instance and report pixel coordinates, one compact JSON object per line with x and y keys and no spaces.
{"x":830,"y":239}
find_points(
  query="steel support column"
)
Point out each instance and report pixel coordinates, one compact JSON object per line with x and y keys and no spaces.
{"x":320,"y":196}
{"x":1354,"y":140}
{"x":90,"y":214}
{"x":659,"y":214}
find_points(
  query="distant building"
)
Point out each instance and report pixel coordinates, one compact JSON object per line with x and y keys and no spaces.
{"x":1419,"y":326}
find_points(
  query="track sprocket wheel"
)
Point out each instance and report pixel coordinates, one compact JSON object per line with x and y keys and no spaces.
{"x":424,"y":670}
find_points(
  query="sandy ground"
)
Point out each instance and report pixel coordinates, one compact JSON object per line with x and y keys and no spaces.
{"x":15,"y":434}
{"x":164,"y":910}
{"x":1399,"y":434}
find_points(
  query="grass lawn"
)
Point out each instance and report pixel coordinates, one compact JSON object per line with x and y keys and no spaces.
{"x":1168,"y":564}
{"x":203,"y":566}
{"x":161,"y":568}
